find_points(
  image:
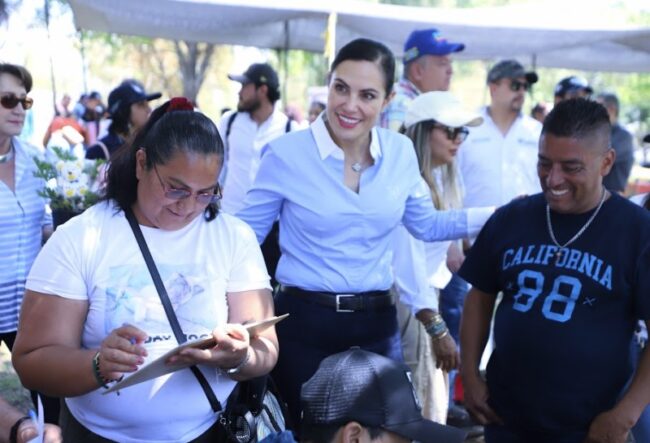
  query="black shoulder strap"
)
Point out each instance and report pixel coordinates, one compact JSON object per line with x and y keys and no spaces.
{"x":287,"y":128}
{"x":169,"y":310}
{"x":231,"y":120}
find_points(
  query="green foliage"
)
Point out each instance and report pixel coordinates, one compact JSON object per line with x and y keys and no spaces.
{"x":303,"y":69}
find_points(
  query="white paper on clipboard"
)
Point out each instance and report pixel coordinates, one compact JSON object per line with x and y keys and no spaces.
{"x":158,"y":367}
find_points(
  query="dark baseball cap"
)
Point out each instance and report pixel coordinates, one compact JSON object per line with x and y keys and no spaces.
{"x":260,"y":74}
{"x":373,"y":390}
{"x":126,"y":94}
{"x":510,"y":69}
{"x":428,"y":42}
{"x":572,"y":84}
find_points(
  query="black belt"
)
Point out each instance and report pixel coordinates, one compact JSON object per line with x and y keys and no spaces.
{"x":363,"y":301}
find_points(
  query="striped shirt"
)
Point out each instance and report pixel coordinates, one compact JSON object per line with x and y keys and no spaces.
{"x":394,"y":114}
{"x":22,"y":217}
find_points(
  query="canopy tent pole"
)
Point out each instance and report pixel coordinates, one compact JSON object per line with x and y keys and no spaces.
{"x":330,"y":39}
{"x":284,"y":63}
{"x":49,"y":42}
{"x":84,"y":68}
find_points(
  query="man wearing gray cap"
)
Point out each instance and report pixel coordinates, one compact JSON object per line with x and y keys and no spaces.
{"x":498,"y":161}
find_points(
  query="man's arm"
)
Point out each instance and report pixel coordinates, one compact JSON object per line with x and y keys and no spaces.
{"x":614,"y":425}
{"x":474,"y":333}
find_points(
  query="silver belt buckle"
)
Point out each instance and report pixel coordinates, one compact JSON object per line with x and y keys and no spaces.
{"x":338,"y":302}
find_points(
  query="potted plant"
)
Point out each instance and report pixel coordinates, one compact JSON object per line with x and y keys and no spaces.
{"x":72,"y":184}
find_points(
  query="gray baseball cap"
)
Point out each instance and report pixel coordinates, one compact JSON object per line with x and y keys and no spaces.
{"x":510,"y":69}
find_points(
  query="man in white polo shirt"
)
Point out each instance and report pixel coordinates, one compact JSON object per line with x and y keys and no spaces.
{"x":246,"y":131}
{"x":498,"y":161}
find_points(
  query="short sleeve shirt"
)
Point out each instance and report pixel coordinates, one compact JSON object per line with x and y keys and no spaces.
{"x":563,"y":330}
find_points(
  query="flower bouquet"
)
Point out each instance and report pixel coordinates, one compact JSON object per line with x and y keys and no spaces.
{"x":72,"y":184}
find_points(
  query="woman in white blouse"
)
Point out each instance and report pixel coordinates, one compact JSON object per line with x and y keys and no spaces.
{"x":437,"y":124}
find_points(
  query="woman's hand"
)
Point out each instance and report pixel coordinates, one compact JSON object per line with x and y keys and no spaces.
{"x":231,"y":350}
{"x":121,"y":352}
{"x":446,"y":352}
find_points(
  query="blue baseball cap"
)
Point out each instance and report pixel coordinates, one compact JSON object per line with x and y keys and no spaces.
{"x":428,"y":42}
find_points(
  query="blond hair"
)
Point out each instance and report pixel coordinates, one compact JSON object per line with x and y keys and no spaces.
{"x":446,"y":193}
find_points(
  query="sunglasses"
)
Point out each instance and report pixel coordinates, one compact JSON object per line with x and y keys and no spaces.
{"x":454,"y":134}
{"x":204,"y":198}
{"x":10,"y":101}
{"x":516,"y":85}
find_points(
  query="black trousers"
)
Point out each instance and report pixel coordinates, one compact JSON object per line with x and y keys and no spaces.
{"x":313,"y":332}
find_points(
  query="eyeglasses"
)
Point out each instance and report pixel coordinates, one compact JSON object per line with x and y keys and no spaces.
{"x":516,"y":85}
{"x":204,"y":198}
{"x":10,"y":101}
{"x":454,"y":134}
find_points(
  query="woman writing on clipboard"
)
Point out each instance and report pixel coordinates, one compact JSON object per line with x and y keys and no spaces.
{"x":92,"y":313}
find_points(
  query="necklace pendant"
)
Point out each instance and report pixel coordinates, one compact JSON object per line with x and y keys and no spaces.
{"x":356,"y":167}
{"x":558,"y":255}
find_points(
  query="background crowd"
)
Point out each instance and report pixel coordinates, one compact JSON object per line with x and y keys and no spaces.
{"x":365,"y":217}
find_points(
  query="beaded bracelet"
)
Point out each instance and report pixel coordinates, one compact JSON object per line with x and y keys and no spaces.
{"x":437,"y":328}
{"x":103,"y":382}
{"x":441,"y":336}
{"x":13,"y":432}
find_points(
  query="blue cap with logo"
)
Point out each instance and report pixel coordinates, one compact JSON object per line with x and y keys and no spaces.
{"x":428,"y":42}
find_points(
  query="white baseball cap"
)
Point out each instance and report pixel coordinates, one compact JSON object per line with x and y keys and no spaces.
{"x":442,"y":107}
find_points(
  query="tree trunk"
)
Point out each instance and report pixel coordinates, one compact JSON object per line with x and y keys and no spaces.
{"x":194,"y":61}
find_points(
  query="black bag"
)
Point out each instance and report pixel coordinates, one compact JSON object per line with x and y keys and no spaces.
{"x":253,"y":411}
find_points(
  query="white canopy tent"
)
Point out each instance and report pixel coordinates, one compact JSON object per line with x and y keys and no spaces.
{"x":548,"y":35}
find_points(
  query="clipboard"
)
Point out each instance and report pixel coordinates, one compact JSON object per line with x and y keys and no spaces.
{"x":158,"y":367}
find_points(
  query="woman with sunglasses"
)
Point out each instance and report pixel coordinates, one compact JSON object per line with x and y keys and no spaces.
{"x":340,"y":189}
{"x":437,"y":124}
{"x":24,"y":222}
{"x":92,"y":314}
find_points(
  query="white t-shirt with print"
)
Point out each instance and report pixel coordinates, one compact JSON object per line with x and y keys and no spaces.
{"x":95,"y":257}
